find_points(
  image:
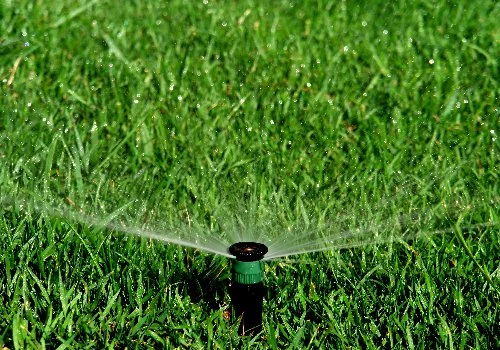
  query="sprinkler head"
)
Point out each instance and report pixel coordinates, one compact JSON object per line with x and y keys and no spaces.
{"x":248,"y":251}
{"x":248,"y":269}
{"x":247,"y":289}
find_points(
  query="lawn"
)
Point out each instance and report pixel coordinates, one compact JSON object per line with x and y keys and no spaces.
{"x":128,"y":125}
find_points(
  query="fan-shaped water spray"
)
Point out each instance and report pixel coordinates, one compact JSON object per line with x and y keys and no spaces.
{"x":283,"y":233}
{"x":253,"y":235}
{"x":250,"y":230}
{"x":281,"y":241}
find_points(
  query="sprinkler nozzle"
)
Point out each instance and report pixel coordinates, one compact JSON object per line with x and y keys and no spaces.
{"x":248,"y":251}
{"x":247,"y":289}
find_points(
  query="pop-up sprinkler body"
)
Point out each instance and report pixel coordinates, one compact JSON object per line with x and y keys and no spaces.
{"x":247,"y":289}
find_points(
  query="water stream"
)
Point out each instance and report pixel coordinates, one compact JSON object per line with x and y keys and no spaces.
{"x":103,"y":190}
{"x":337,"y":231}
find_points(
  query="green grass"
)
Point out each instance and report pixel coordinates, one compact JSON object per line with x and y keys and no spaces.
{"x":298,"y":112}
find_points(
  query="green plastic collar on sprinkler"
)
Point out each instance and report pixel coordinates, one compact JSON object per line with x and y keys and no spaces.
{"x":248,"y":267}
{"x":248,"y":272}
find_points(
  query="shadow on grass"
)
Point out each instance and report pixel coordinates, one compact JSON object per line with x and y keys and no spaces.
{"x":206,"y":285}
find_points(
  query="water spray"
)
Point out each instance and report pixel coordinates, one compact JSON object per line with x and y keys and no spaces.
{"x":247,"y":289}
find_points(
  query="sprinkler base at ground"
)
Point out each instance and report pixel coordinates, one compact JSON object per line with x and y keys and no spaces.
{"x":247,"y":289}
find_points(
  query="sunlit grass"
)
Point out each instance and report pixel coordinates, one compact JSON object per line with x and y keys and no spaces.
{"x":199,"y":114}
